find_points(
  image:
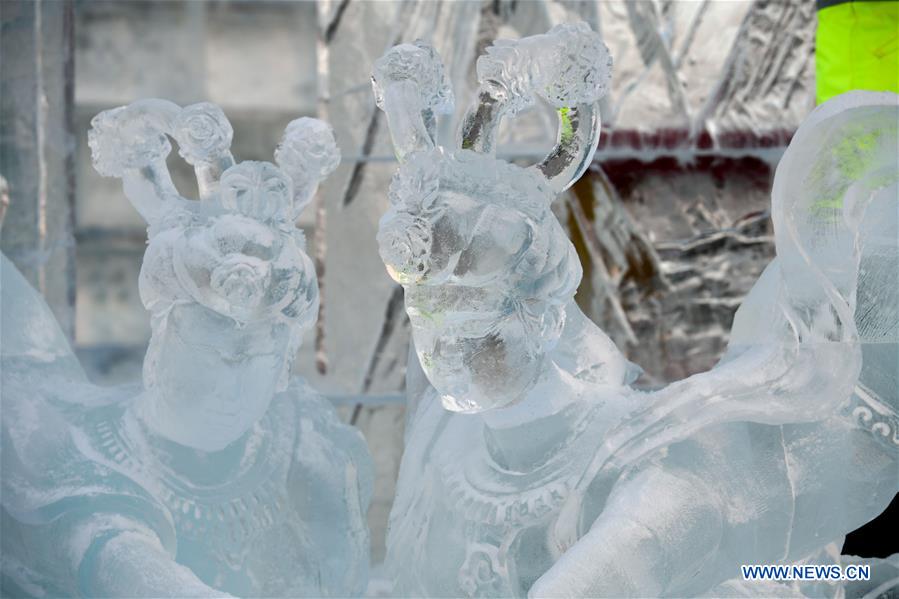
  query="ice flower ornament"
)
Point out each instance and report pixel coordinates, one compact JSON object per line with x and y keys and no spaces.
{"x":202,"y":131}
{"x":531,"y":466}
{"x":405,"y":244}
{"x":241,"y":280}
{"x":418,"y":70}
{"x":220,"y":474}
{"x":236,"y":251}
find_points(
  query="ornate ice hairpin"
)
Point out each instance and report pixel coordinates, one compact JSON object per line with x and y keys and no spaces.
{"x":236,"y":250}
{"x":568,"y":67}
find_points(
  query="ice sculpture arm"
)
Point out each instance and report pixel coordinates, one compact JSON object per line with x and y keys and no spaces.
{"x":150,"y":190}
{"x":134,"y":564}
{"x":410,"y":86}
{"x":569,"y":67}
{"x":795,"y":354}
{"x":682,"y":523}
{"x":685,"y":521}
{"x":640,"y":540}
{"x":794,"y":357}
{"x":118,"y":555}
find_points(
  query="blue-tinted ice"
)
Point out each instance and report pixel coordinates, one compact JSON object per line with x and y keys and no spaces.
{"x":531,"y":465}
{"x":220,"y":474}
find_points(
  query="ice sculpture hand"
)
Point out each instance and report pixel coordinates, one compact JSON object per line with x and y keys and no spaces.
{"x":530,"y":464}
{"x":220,"y":475}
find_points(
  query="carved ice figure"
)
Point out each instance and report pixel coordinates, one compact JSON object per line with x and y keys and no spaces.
{"x":220,"y":474}
{"x":530,"y":465}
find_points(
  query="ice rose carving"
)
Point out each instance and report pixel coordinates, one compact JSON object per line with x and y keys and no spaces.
{"x":309,"y":147}
{"x":307,"y":153}
{"x":419,"y":65}
{"x":404,"y":244}
{"x":241,"y":279}
{"x":479,"y":575}
{"x":203,"y":133}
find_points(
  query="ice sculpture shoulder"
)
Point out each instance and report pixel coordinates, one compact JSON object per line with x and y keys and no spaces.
{"x":220,"y":474}
{"x":530,"y":464}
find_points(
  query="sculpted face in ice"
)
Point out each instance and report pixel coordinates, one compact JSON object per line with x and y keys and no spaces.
{"x":220,"y":474}
{"x":488,"y":274}
{"x":229,"y":268}
{"x":561,"y":480}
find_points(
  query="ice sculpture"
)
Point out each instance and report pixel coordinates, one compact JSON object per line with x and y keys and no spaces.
{"x":531,"y":466}
{"x":220,"y":474}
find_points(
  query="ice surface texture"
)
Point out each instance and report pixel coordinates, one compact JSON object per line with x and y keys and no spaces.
{"x":531,"y":466}
{"x":219,"y":474}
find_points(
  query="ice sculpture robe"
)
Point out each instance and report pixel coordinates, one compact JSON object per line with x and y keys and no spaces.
{"x":273,"y":525}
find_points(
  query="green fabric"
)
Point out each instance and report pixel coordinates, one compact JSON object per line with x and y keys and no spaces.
{"x":857,"y":47}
